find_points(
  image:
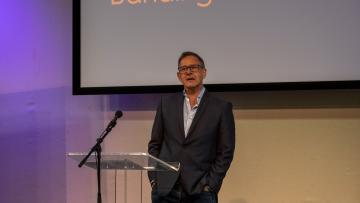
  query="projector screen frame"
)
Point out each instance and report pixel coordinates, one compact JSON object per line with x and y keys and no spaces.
{"x":271,"y":86}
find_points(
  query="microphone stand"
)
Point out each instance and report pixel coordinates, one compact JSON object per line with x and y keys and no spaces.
{"x":97,"y":150}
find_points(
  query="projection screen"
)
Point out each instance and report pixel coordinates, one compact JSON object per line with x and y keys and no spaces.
{"x":132,"y":46}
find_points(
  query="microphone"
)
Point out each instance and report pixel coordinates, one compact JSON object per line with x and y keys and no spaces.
{"x":118,"y":114}
{"x":112,"y":123}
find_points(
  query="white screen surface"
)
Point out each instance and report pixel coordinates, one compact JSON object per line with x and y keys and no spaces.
{"x":242,"y":41}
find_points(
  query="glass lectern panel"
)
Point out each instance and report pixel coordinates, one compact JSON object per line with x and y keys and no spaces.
{"x":128,"y":161}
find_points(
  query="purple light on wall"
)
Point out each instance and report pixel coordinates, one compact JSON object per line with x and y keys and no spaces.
{"x":35,"y":46}
{"x":32,"y":129}
{"x":35,"y":65}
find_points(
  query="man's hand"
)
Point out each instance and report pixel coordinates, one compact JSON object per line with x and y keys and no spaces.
{"x":206,"y":189}
{"x":152,"y":183}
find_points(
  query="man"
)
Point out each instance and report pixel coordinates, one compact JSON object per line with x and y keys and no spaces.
{"x":196,"y":129}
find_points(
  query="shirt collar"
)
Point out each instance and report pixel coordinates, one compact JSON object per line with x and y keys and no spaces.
{"x":202,"y":91}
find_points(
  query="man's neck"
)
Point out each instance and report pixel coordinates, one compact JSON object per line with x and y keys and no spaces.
{"x":193,"y":92}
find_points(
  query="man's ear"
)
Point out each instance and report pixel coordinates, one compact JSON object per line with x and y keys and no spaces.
{"x":205,"y":71}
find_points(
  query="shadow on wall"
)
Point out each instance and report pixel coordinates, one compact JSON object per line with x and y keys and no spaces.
{"x":293,"y":99}
{"x":252,"y":100}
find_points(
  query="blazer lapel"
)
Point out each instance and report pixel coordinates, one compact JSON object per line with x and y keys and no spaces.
{"x":198,"y":114}
{"x":180,"y":104}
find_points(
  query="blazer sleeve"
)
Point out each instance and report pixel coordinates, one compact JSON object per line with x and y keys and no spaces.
{"x":225,"y":149}
{"x":157,"y":137}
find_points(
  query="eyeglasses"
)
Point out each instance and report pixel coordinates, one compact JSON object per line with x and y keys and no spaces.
{"x":191,"y":68}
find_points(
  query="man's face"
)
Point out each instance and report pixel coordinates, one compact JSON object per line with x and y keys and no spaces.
{"x":193,"y":73}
